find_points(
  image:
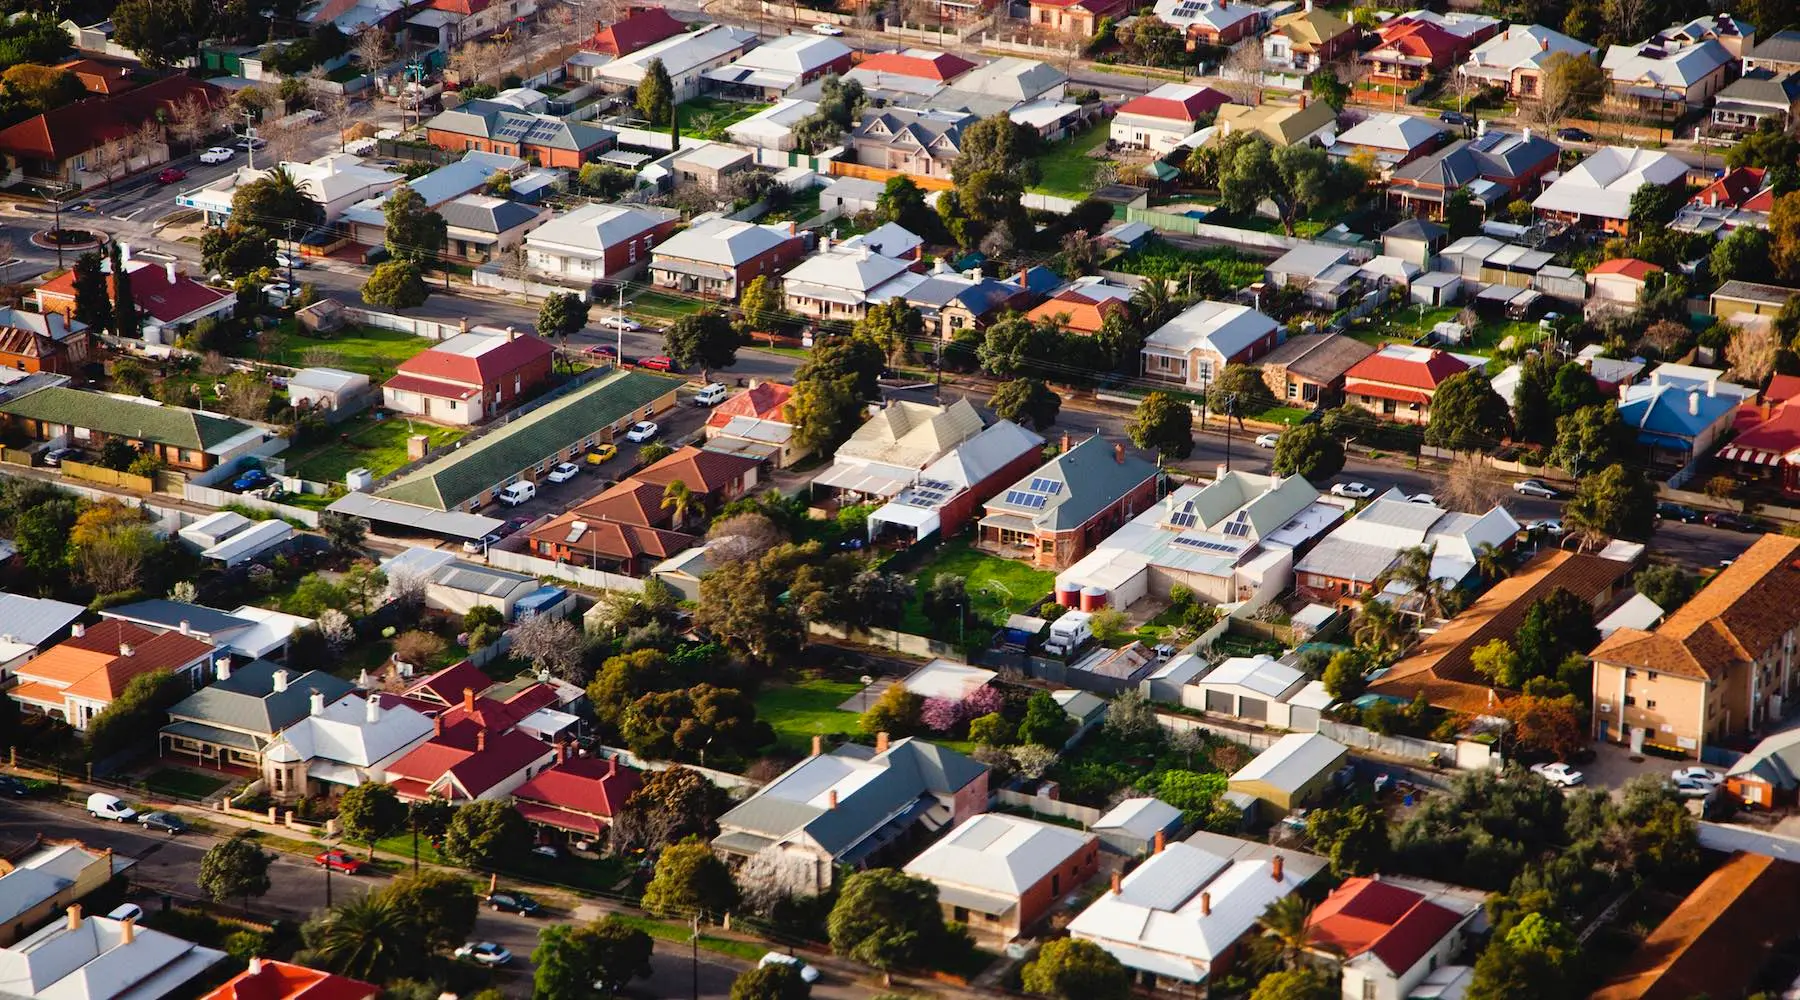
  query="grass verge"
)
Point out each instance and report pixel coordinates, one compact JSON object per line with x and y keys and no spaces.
{"x":180,"y":783}
{"x":746,"y":950}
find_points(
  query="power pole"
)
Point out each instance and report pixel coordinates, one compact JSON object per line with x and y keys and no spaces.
{"x":290,"y":255}
{"x":696,"y":962}
{"x":250,"y":136}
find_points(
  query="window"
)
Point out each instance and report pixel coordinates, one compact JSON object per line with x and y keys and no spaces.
{"x":1630,"y":673}
{"x":1650,"y":675}
{"x":1368,"y":990}
{"x":1630,"y":700}
{"x":1649,"y":703}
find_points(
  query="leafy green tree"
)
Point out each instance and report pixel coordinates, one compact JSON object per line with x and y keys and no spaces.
{"x":1343,"y":676}
{"x":1045,"y":723}
{"x":762,"y":302}
{"x":481,"y":834}
{"x":1461,"y":215}
{"x":1328,"y":89}
{"x":1784,"y":237}
{"x":415,"y":233}
{"x":93,"y":304}
{"x":235,"y":869}
{"x":1237,"y":390}
{"x":1768,"y":146}
{"x":903,"y":203}
{"x":274,"y":201}
{"x":995,"y":145}
{"x":135,"y":716}
{"x":235,"y":249}
{"x":824,"y":412}
{"x":1026,"y":401}
{"x":395,"y":284}
{"x":1355,"y":838}
{"x":892,"y":326}
{"x":887,"y":919}
{"x":690,"y":723}
{"x":1590,"y":438}
{"x":1467,"y":414}
{"x":992,"y":730}
{"x":896,"y":711}
{"x":1575,"y":388}
{"x":1070,"y":969}
{"x":1534,"y":416}
{"x":442,"y":905}
{"x":1667,"y":584}
{"x":690,"y":879}
{"x":370,"y":812}
{"x":126,"y":321}
{"x":682,"y":803}
{"x":1310,"y":452}
{"x":1655,"y":205}
{"x":1742,"y":256}
{"x":704,"y":338}
{"x":562,"y":315}
{"x":856,"y":358}
{"x":158,"y":33}
{"x":1295,"y":179}
{"x":369,"y":938}
{"x":656,"y":94}
{"x":1616,"y":502}
{"x":775,"y":981}
{"x":1497,"y":661}
{"x":1536,"y":958}
{"x":1163,"y":424}
{"x":1294,"y":984}
{"x":344,"y":532}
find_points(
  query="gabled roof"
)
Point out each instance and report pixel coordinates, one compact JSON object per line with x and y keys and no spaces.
{"x":165,"y":298}
{"x":1420,"y":368}
{"x":1292,"y":761}
{"x":1662,"y":64}
{"x":247,"y":700}
{"x":1083,"y":305}
{"x":76,"y":128}
{"x":591,"y":532}
{"x":631,"y":501}
{"x":268,"y":979}
{"x":762,"y":401}
{"x":941,"y":67}
{"x":1369,"y":916}
{"x":1212,"y":15}
{"x":1494,"y":155}
{"x":1400,"y":133}
{"x":1319,"y":357}
{"x":1140,"y":817}
{"x":120,"y":416}
{"x":1628,"y":267}
{"x":1420,"y":39}
{"x":484,"y":214}
{"x":477,"y":358}
{"x":1222,"y":327}
{"x":170,"y":615}
{"x":447,"y":685}
{"x":97,"y":666}
{"x":701,"y":471}
{"x":474,"y":767}
{"x":725,"y":242}
{"x":1012,"y":78}
{"x":593,"y":228}
{"x":32,"y":621}
{"x":1176,"y":101}
{"x":1523,"y":45}
{"x":588,"y":786}
{"x":1774,"y":761}
{"x":488,"y":119}
{"x":1281,"y":124}
{"x":645,"y":26}
{"x":1782,"y":46}
{"x":1602,"y":184}
{"x":999,"y":856}
{"x":93,"y":961}
{"x":1672,"y":410}
{"x":908,"y":434}
{"x":680,"y":53}
{"x":1070,"y":489}
{"x":1312,"y":27}
{"x":351,"y":731}
{"x":1732,"y":189}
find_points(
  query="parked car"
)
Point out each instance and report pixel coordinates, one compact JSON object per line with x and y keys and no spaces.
{"x":101,"y":805}
{"x":251,"y":479}
{"x":1559,"y":774}
{"x":339,"y":861}
{"x":1724,"y":519}
{"x":1269,"y":440}
{"x":55,"y":456}
{"x":643,"y":430}
{"x":167,"y":822}
{"x":1574,"y":135}
{"x":217,"y":154}
{"x":1456,"y":118}
{"x":563,"y":472}
{"x":823,"y":28}
{"x":600,"y":454}
{"x":1355,"y":491}
{"x":1549,"y":526}
{"x":1688,"y":789}
{"x":13,"y":788}
{"x":623,"y":324}
{"x":476,"y":546}
{"x":606,"y":351}
{"x":514,"y":902}
{"x":253,"y":143}
{"x":484,"y":953}
{"x":1535,"y":488}
{"x":658,"y":363}
{"x":517,"y":522}
{"x":1666,"y":511}
{"x":126,"y":911}
{"x":712,"y":394}
{"x":808,"y":974}
{"x":1697,"y":775}
{"x":1421,"y":498}
{"x":285,"y":259}
{"x":171,"y":175}
{"x":518,"y":493}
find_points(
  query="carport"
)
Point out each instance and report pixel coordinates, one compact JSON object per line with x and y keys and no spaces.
{"x":450,"y":524}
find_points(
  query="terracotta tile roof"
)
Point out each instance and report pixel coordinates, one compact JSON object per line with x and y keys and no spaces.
{"x":473,"y":713}
{"x":1630,"y":267}
{"x":1718,"y":940}
{"x":1077,"y":311}
{"x":463,"y":7}
{"x":475,"y":765}
{"x":629,"y":502}
{"x":100,"y":78}
{"x":76,"y":128}
{"x":612,"y":540}
{"x":1441,"y":666}
{"x":156,"y":293}
{"x":645,"y":26}
{"x":1367,"y":915}
{"x":1185,"y":108}
{"x":1422,"y":39}
{"x":1398,"y":369}
{"x":1734,"y":619}
{"x":285,"y":981}
{"x":940,"y":66}
{"x":765,"y":401}
{"x":1733,"y":189}
{"x":584,"y":785}
{"x":95,"y":666}
{"x":484,"y":368}
{"x":702,"y":471}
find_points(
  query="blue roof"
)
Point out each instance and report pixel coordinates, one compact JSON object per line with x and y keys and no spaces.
{"x":989,"y":294}
{"x":452,"y":180}
{"x":1042,"y":280}
{"x":1673,"y":411}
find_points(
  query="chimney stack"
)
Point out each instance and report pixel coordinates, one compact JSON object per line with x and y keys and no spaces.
{"x":561,"y":749}
{"x":78,"y":630}
{"x":1119,"y":453}
{"x":126,"y":650}
{"x":1693,"y":404}
{"x":170,"y":267}
{"x":1115,"y":882}
{"x":1206,"y":897}
{"x":612,"y":766}
{"x":818,"y":745}
{"x":187,"y":627}
{"x":480,"y":740}
{"x":256,"y":965}
{"x":1303,"y":101}
{"x":128,"y":926}
{"x":512,"y":333}
{"x":372,"y":709}
{"x":468,"y":699}
{"x":437,"y":724}
{"x":831,"y":799}
{"x":1065,"y":442}
{"x":317,"y":698}
{"x":1275,"y":868}
{"x":1161,"y":841}
{"x":222,"y":668}
{"x":881,"y":743}
{"x":280,"y":677}
{"x":74,"y":912}
{"x":1021,"y":280}
{"x":1544,"y":45}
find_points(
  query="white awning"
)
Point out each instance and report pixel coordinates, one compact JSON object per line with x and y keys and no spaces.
{"x":923,"y":521}
{"x":861,"y":479}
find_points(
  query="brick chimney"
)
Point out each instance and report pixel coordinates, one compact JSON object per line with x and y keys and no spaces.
{"x":468,"y":699}
{"x":437,"y":724}
{"x":1116,"y":879}
{"x":1161,"y":841}
{"x":1303,"y":101}
{"x":480,"y":740}
{"x":818,"y":745}
{"x":612,"y":766}
{"x":1544,"y":44}
{"x":561,"y":749}
{"x":1206,"y":904}
{"x":126,"y":650}
{"x":881,"y":743}
{"x":74,"y":914}
{"x":831,"y":799}
{"x":1275,"y":868}
{"x":1119,"y":453}
{"x":1065,"y":442}
{"x":128,"y":926}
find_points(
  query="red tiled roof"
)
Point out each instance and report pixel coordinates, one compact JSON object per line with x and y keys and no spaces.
{"x":702,"y":471}
{"x":1203,"y":101}
{"x":1384,"y":367}
{"x":1777,"y":433}
{"x":1076,"y":311}
{"x":1380,"y":391}
{"x":1630,"y":267}
{"x":612,"y":540}
{"x":286,"y":981}
{"x":1365,"y":915}
{"x":1422,"y":39}
{"x":448,"y":684}
{"x":1733,"y":189}
{"x":562,"y":819}
{"x":99,"y":78}
{"x":476,"y":770}
{"x":531,"y":699}
{"x":646,"y":26}
{"x":473,"y":713}
{"x":765,"y":401}
{"x":463,"y":7}
{"x":76,"y":128}
{"x":1782,"y":388}
{"x":1762,"y":201}
{"x":151,"y":287}
{"x":585,"y":785}
{"x":629,"y":502}
{"x":941,"y":66}
{"x":484,"y":369}
{"x":94,"y":664}
{"x":436,"y":388}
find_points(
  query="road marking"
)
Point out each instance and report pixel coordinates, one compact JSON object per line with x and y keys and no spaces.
{"x":128,"y":216}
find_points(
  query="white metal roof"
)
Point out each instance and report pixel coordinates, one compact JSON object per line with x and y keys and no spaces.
{"x":724,"y":242}
{"x":947,"y":680}
{"x":1140,"y":817}
{"x":1292,"y":761}
{"x":998,"y":853}
{"x":1222,"y":326}
{"x":1401,"y":133}
{"x":1262,"y":674}
{"x":1639,"y":612}
{"x":1602,"y":184}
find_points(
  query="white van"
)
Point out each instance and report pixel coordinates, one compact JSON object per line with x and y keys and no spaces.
{"x":127,"y":911}
{"x":712,"y":395}
{"x":103,"y":806}
{"x":518,"y":493}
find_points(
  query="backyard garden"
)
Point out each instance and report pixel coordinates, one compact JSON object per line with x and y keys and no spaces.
{"x":996,"y":588}
{"x":1067,"y":169}
{"x":369,"y":350}
{"x":364,"y":441}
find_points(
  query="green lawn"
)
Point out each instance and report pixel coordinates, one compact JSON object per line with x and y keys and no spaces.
{"x":997,"y":587}
{"x":1157,"y":259}
{"x":748,"y":951}
{"x":364,"y":442}
{"x":708,"y":117}
{"x":1289,"y":415}
{"x":656,"y":305}
{"x":798,"y":712}
{"x":369,"y":350}
{"x":181,"y":783}
{"x":1410,"y":322}
{"x":1067,"y":169}
{"x":802,"y":207}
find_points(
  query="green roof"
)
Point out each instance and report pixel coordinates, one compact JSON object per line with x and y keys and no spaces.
{"x":170,"y":425}
{"x":546,"y":431}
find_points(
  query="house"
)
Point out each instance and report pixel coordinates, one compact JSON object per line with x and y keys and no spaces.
{"x":577,"y":796}
{"x":640,"y":27}
{"x":1390,"y":140}
{"x":1778,"y":53}
{"x":566,"y":427}
{"x":1398,"y":381}
{"x":164,"y":296}
{"x":1260,"y":690}
{"x":1194,"y":347}
{"x":949,"y":491}
{"x":1758,"y":96}
{"x":1414,"y":240}
{"x":754,"y":423}
{"x":475,"y":753}
{"x":1597,"y":192}
{"x":27,"y":626}
{"x":1496,"y":168}
{"x":920,"y":143}
{"x":887,"y":453}
{"x":628,"y":529}
{"x":1517,"y":58}
{"x":268,"y":979}
{"x":492,"y":126}
{"x":1664,"y":77}
{"x":1159,"y":120}
{"x":1309,"y":370}
{"x":773,"y":126}
{"x":1440,"y":667}
{"x":182,"y":438}
{"x":721,"y":257}
{"x":1010,"y":81}
{"x":461,"y":21}
{"x":1280,"y":124}
{"x":912,"y":71}
{"x":1618,"y":285}
{"x":686,"y":57}
{"x":79,"y":677}
{"x":1082,"y":305}
{"x":1385,"y":937}
{"x":1231,"y":540}
{"x":471,"y":175}
{"x":598,"y":241}
{"x":1676,"y":423}
{"x":1134,"y":826}
{"x":776,"y":68}
{"x":1324,"y":274}
{"x":840,"y":283}
{"x":1748,"y":298}
{"x":211,"y":626}
{"x":892,"y":240}
{"x":1069,"y":505}
{"x":98,"y":77}
{"x":233,"y":720}
{"x":470,"y":377}
{"x":1215,"y":23}
{"x":1180,"y":918}
{"x":1292,"y":773}
{"x":331,"y":392}
{"x":1421,"y":43}
{"x":1767,"y":776}
{"x":481,"y":228}
{"x":1075,"y":17}
{"x":1743,"y":196}
{"x":1719,"y":940}
{"x":99,"y":958}
{"x":1341,"y":568}
{"x":100,"y":139}
{"x":457,"y":587}
{"x":1716,"y":667}
{"x":1000,"y":875}
{"x":48,"y":876}
{"x":340,"y":744}
{"x":710,"y":165}
{"x":852,"y":808}
{"x":1306,"y":40}
{"x":41,"y":342}
{"x":951,"y":303}
{"x":336,"y":182}
{"x":1765,"y":444}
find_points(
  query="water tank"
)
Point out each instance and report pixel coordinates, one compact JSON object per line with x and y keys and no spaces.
{"x":1093,"y":598}
{"x":359,"y":480}
{"x":1068,"y":595}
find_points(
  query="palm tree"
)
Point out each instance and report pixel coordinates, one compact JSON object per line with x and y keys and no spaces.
{"x":1378,"y":625}
{"x":681,"y":502}
{"x":368,"y":939}
{"x":1413,"y":569}
{"x":1490,"y":562}
{"x":1152,"y":303}
{"x":1284,"y":933}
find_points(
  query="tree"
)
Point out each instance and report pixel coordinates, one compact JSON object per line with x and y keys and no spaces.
{"x":562,"y":315}
{"x":1784,"y":237}
{"x":125,"y":321}
{"x":1026,"y":401}
{"x":1310,"y":452}
{"x":775,"y":981}
{"x":1294,"y":984}
{"x":1570,"y":85}
{"x":1343,"y":676}
{"x":1534,"y":416}
{"x":440,"y":904}
{"x":705,"y":338}
{"x":1617,"y":502}
{"x":1070,"y":969}
{"x":1163,"y":424}
{"x":1045,"y":723}
{"x":131,"y":721}
{"x":671,"y":805}
{"x":824,"y":412}
{"x":1355,"y":838}
{"x":1665,"y":583}
{"x":1742,"y":256}
{"x":1461,"y":215}
{"x":1536,"y":958}
{"x":1752,"y":354}
{"x":368,"y":938}
{"x":893,"y":326}
{"x":34,"y":89}
{"x":395,"y":284}
{"x":656,"y":94}
{"x":369,"y":812}
{"x":1237,"y":390}
{"x":886,"y":919}
{"x":1295,"y":179}
{"x":762,"y":303}
{"x":343,"y":531}
{"x":93,"y":304}
{"x":897,"y":711}
{"x":1284,"y":933}
{"x":690,"y":879}
{"x":235,"y":869}
{"x":415,"y":233}
{"x":155,"y":31}
{"x":997,"y":147}
{"x":235,"y":249}
{"x":1554,"y":726}
{"x":1328,"y":89}
{"x":1467,"y":414}
{"x":1590,"y":438}
{"x":1131,"y":716}
{"x":693,"y":722}
{"x":1654,"y":206}
{"x":1497,"y":661}
{"x":274,"y":201}
{"x":903,"y":203}
{"x":552,"y":644}
{"x":855,"y":358}
{"x":483,"y":833}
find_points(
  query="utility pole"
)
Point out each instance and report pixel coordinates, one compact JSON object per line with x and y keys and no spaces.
{"x":619,"y":360}
{"x":696,"y":962}
{"x":250,"y":136}
{"x":1230,"y":411}
{"x":57,"y":196}
{"x":290,"y":255}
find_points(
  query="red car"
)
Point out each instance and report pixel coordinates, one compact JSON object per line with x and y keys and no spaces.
{"x":658,"y":363}
{"x":170,"y":175}
{"x":601,"y":351}
{"x":340,"y":861}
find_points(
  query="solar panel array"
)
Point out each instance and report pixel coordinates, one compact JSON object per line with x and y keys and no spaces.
{"x":1048,"y":486}
{"x":1184,"y":517}
{"x":519,"y":128}
{"x":1027,"y":499}
{"x":1204,"y":545}
{"x":1487,"y":141}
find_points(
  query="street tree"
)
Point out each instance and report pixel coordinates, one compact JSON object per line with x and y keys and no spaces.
{"x":853,"y":357}
{"x":1163,"y":424}
{"x":235,"y":869}
{"x":656,"y":94}
{"x":1590,"y":438}
{"x":671,"y":805}
{"x":1616,"y":502}
{"x":601,"y":957}
{"x":1310,"y":452}
{"x":562,"y":315}
{"x":481,"y":834}
{"x":1237,"y":390}
{"x":415,"y":232}
{"x":368,"y":938}
{"x":690,"y":880}
{"x":775,"y":981}
{"x":824,"y":412}
{"x":441,"y":904}
{"x":1569,"y":86}
{"x":370,"y":812}
{"x":93,"y":304}
{"x":1071,"y":969}
{"x":235,"y":249}
{"x":1026,"y":401}
{"x":1467,"y":414}
{"x":706,"y":339}
{"x":762,"y":303}
{"x":892,"y":326}
{"x":274,"y":202}
{"x":886,"y":919}
{"x":395,"y":284}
